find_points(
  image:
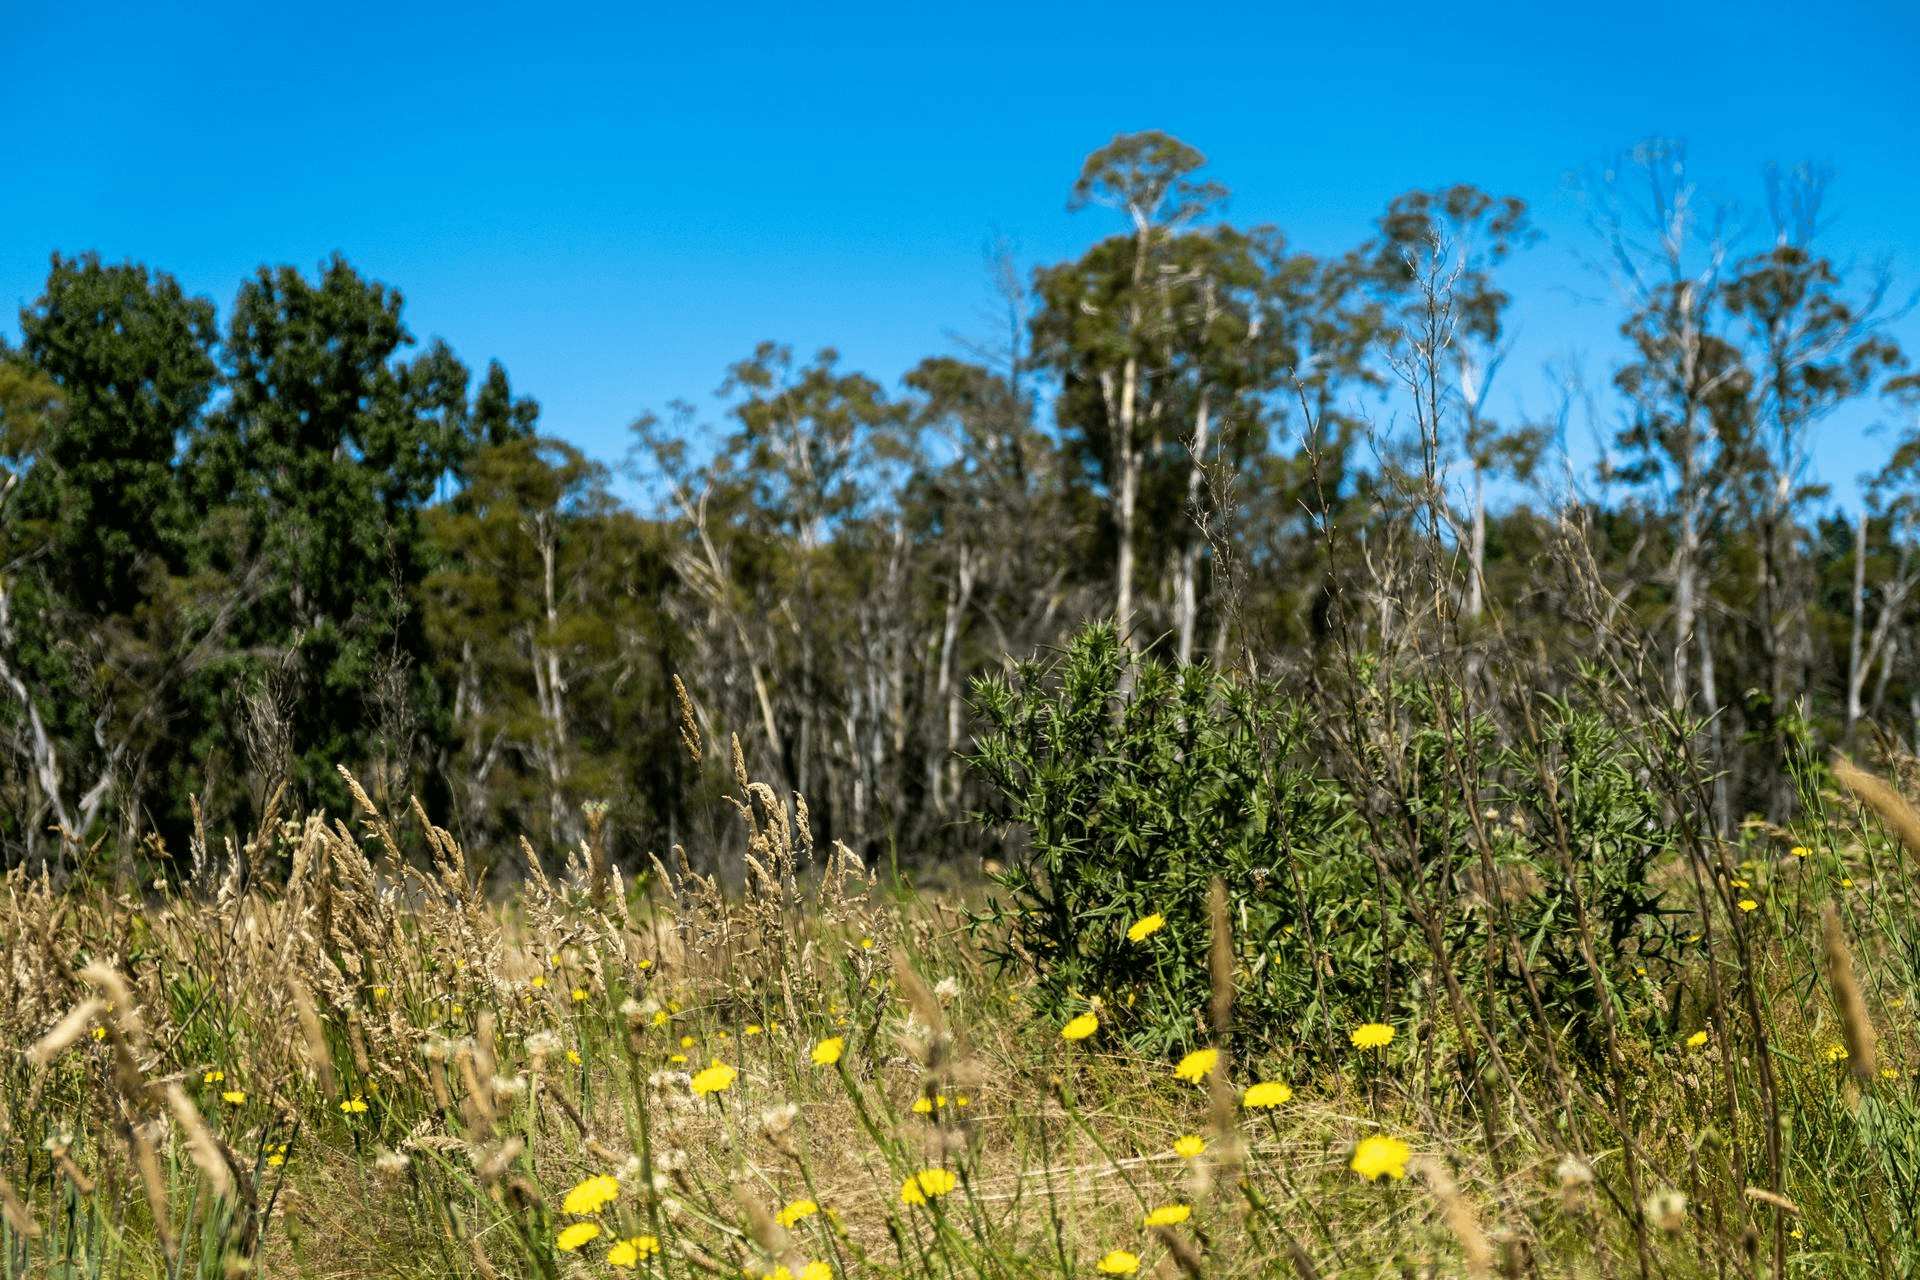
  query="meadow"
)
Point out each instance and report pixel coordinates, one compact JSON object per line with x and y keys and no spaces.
{"x":334,"y":1049}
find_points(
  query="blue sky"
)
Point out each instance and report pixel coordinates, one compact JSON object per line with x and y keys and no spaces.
{"x":617,"y":202}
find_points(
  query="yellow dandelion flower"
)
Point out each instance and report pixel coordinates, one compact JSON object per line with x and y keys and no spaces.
{"x":592,"y":1196}
{"x":235,"y":1096}
{"x":797,"y":1210}
{"x":827,"y":1052}
{"x":1118,"y":1263}
{"x":1268,"y":1093}
{"x":1697,"y":1039}
{"x":1171,"y":1215}
{"x":1189,"y":1147}
{"x":99,"y":1033}
{"x":576,"y":1235}
{"x":213,"y":1077}
{"x":1374,"y":1035}
{"x":1836,"y":1053}
{"x":962,"y":1101}
{"x":1080,"y":1028}
{"x":714,"y":1079}
{"x":573,"y":1058}
{"x":753,"y":1029}
{"x":628,"y":1252}
{"x":1801,"y":851}
{"x":677,"y":1059}
{"x":866,"y":944}
{"x":1889,"y":1073}
{"x":1196,"y":1065}
{"x":1740,"y":884}
{"x":686,"y":1042}
{"x":928,"y":1182}
{"x":538,"y":981}
{"x":921,"y":1106}
{"x":276,"y":1160}
{"x":1747,"y":904}
{"x":816,"y":1271}
{"x":579,"y":994}
{"x":1377,"y":1155}
{"x":1145,"y":927}
{"x":660,"y":1018}
{"x":459,"y":1009}
{"x":354,"y":1105}
{"x":1845,"y":883}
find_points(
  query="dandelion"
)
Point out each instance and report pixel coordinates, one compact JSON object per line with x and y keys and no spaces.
{"x":573,"y":1058}
{"x":686,"y":1042}
{"x":628,"y":1252}
{"x":1697,"y":1039}
{"x":678,"y":1059}
{"x":1080,"y":1028}
{"x":353,"y":1106}
{"x":1171,"y":1215}
{"x":797,"y":1210}
{"x":714,"y":1079}
{"x":1118,"y":1263}
{"x":1145,"y":927}
{"x":1747,"y":904}
{"x":1801,"y":851}
{"x":921,"y":1106}
{"x":660,"y":1018}
{"x":1377,"y":1155}
{"x":1196,"y":1065}
{"x":278,"y":1156}
{"x":213,"y":1077}
{"x":1189,"y":1147}
{"x":1268,"y":1093}
{"x":539,"y":981}
{"x":753,"y":1029}
{"x":592,"y":1196}
{"x":1836,"y":1053}
{"x":827,"y":1052}
{"x":816,"y":1271}
{"x":928,"y":1182}
{"x":234,"y":1096}
{"x":579,"y":994}
{"x":866,"y":944}
{"x":1845,"y":883}
{"x":576,"y":1235}
{"x":1375,"y":1035}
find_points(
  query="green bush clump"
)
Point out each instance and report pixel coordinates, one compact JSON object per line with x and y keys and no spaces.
{"x":1132,"y":787}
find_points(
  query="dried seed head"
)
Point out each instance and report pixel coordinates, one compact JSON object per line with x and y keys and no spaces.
{"x":1667,"y":1210}
{"x":1855,"y":1026}
{"x":66,"y":1031}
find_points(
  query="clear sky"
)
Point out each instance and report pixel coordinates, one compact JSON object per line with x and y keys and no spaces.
{"x":619,"y":201}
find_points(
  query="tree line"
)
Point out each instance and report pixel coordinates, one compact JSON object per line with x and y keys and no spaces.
{"x":234,"y":558}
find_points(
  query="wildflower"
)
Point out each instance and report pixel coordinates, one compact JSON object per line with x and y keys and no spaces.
{"x":278,"y":1156}
{"x":1189,"y":1147}
{"x":660,"y":1018}
{"x":579,"y":994}
{"x":1741,"y":884}
{"x":391,"y":1164}
{"x":797,"y":1210}
{"x":1196,"y":1065}
{"x":1268,"y":1093}
{"x":714,"y":1079}
{"x":459,"y":1009}
{"x":1377,"y":1155}
{"x":1080,"y":1028}
{"x":213,"y":1077}
{"x":1801,"y":851}
{"x":1845,"y":883}
{"x":1171,"y":1215}
{"x":1668,"y":1209}
{"x":538,"y":981}
{"x":686,"y":1042}
{"x":234,"y":1096}
{"x":678,"y":1059}
{"x":354,"y":1105}
{"x":921,"y":1106}
{"x":1747,"y":904}
{"x":592,"y":1196}
{"x":962,"y":1101}
{"x":827,"y":1052}
{"x":99,"y":1033}
{"x":866,"y":944}
{"x":628,"y":1252}
{"x":1145,"y":927}
{"x":816,"y":1271}
{"x":576,"y":1235}
{"x":753,"y":1029}
{"x":1375,"y":1035}
{"x":1118,"y":1263}
{"x":1836,"y":1053}
{"x":928,"y":1182}
{"x":1697,"y":1039}
{"x":1889,"y":1073}
{"x":573,"y":1058}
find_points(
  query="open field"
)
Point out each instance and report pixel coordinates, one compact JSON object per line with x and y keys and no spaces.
{"x":316,"y":1059}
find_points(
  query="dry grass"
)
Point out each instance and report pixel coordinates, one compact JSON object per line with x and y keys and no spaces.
{"x":314,"y":1059}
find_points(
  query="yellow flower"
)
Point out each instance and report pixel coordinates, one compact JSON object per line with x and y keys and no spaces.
{"x":1377,"y":1155}
{"x":715,"y":1079}
{"x":646,"y":964}
{"x":797,"y":1210}
{"x":686,"y":1042}
{"x":1268,"y":1093}
{"x":235,"y":1096}
{"x":827,"y":1052}
{"x":579,"y":994}
{"x":573,"y":1058}
{"x":352,"y":1105}
{"x":576,"y":1235}
{"x":1375,"y":1035}
{"x":1889,"y":1073}
{"x":921,"y":1106}
{"x":1697,"y":1039}
{"x":628,"y":1252}
{"x":866,"y":944}
{"x":753,"y":1029}
{"x":213,"y":1077}
{"x":1145,"y":927}
{"x":1118,"y":1263}
{"x":1195,"y":1065}
{"x":1747,"y":904}
{"x":591,"y":1196}
{"x":99,"y":1033}
{"x":678,"y":1059}
{"x":459,"y":1009}
{"x":1189,"y":1147}
{"x":1080,"y":1028}
{"x":1801,"y":851}
{"x":1741,"y":884}
{"x":1845,"y":883}
{"x":928,"y":1182}
{"x":1171,"y":1215}
{"x":660,"y":1018}
{"x":816,"y":1271}
{"x":1836,"y":1053}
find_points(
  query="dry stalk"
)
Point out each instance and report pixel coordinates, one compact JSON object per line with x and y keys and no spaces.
{"x":689,"y":731}
{"x":1890,"y":805}
{"x":1459,"y":1217}
{"x":66,"y":1031}
{"x":1855,"y":1026}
